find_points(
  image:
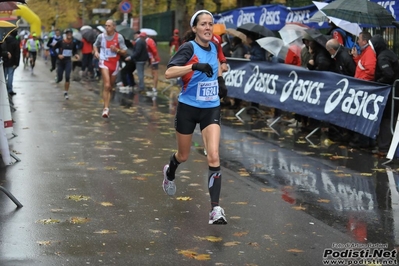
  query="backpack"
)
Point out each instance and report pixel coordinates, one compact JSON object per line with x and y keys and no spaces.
{"x":348,"y":39}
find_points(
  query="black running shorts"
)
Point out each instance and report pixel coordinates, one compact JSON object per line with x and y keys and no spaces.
{"x":187,"y":117}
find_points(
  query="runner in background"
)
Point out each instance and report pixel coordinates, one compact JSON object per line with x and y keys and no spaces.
{"x":154,"y":61}
{"x":33,"y":46}
{"x":108,"y":48}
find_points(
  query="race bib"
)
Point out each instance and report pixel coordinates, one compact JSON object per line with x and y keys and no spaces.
{"x":54,"y":42}
{"x":67,"y":52}
{"x":109,"y":53}
{"x":207,"y":91}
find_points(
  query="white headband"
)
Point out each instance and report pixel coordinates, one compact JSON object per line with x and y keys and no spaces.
{"x":197,"y":13}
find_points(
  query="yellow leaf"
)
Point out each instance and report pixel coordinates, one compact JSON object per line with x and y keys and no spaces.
{"x":78,"y":197}
{"x":80,"y":163}
{"x":139,"y":160}
{"x":240,"y":233}
{"x":105,"y":231}
{"x":210,"y":238}
{"x":294,"y":250}
{"x":305,"y":152}
{"x":78,"y":220}
{"x":127,"y":172}
{"x":106,"y":204}
{"x":301,"y":141}
{"x":326,"y":154}
{"x":232,"y":243}
{"x":140,"y":178}
{"x":240,"y":203}
{"x":366,"y":174}
{"x":184,"y":198}
{"x":381,"y":170}
{"x":253,"y":244}
{"x":44,"y":243}
{"x":188,"y":253}
{"x":298,"y":208}
{"x":91,"y":169}
{"x":323,"y":200}
{"x":268,"y":189}
{"x":343,"y":175}
{"x":48,"y":221}
{"x":234,"y":217}
{"x":203,"y":257}
{"x":184,"y":172}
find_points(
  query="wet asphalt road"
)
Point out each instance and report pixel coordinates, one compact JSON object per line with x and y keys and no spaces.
{"x":91,"y":187}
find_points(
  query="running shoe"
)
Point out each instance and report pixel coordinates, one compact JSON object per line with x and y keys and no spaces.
{"x":105,"y":113}
{"x":66,"y":96}
{"x":168,"y":186}
{"x":216,"y":216}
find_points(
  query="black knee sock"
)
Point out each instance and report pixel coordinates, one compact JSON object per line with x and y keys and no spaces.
{"x":173,"y":164}
{"x":214,"y":184}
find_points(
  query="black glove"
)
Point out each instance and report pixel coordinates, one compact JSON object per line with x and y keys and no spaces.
{"x":222,"y":87}
{"x":204,"y":68}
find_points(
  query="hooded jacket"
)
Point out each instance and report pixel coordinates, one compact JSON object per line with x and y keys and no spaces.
{"x":387,"y":70}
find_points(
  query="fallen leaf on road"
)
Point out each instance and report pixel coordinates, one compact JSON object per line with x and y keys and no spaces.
{"x":366,"y":174}
{"x":240,"y":233}
{"x":299,"y":208}
{"x":44,"y":243}
{"x":139,"y":160}
{"x":294,"y":250}
{"x":78,"y":220}
{"x":268,"y":189}
{"x":184,"y":198}
{"x":232,"y":243}
{"x":106,"y":204}
{"x":80,"y":163}
{"x":48,"y":221}
{"x":234,"y":217}
{"x":240,"y":203}
{"x":210,"y":238}
{"x":110,"y":168}
{"x":140,"y":178}
{"x":323,"y":200}
{"x":78,"y":197}
{"x":127,"y":172}
{"x":105,"y":231}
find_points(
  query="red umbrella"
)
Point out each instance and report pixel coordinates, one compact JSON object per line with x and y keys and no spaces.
{"x":19,"y":1}
{"x":8,"y":6}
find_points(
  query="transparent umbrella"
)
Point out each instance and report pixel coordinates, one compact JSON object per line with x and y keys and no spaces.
{"x":292,"y":32}
{"x":149,"y":32}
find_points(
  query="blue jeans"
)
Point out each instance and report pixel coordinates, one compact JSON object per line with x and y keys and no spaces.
{"x":9,"y":76}
{"x":140,"y":73}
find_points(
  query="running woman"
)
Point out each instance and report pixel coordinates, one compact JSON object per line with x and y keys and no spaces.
{"x":108,"y":48}
{"x":33,"y":46}
{"x":196,"y":62}
{"x":66,"y":50}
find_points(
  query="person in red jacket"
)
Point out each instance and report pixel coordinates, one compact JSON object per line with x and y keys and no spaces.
{"x":87,"y":59}
{"x":154,"y":60}
{"x":367,"y":60}
{"x":174,"y":42}
{"x":216,"y":39}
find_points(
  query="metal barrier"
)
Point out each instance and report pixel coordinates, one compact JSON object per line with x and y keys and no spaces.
{"x":392,"y":149}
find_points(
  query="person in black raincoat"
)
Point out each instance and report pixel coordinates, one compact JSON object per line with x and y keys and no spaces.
{"x":387,"y":71}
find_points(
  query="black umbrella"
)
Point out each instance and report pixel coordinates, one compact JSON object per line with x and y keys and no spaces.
{"x":126,"y":32}
{"x":253,"y":28}
{"x":317,"y":36}
{"x":89,"y":35}
{"x":359,"y":11}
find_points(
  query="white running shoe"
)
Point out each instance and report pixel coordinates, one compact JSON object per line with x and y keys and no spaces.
{"x":168,"y":186}
{"x":216,"y":216}
{"x":105,"y":113}
{"x":66,"y":96}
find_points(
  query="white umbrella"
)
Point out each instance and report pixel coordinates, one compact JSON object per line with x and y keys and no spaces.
{"x":77,"y":35}
{"x":274,"y":46}
{"x":101,"y":28}
{"x":149,"y":32}
{"x":86,"y":27}
{"x":350,"y":27}
{"x":292,"y":32}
